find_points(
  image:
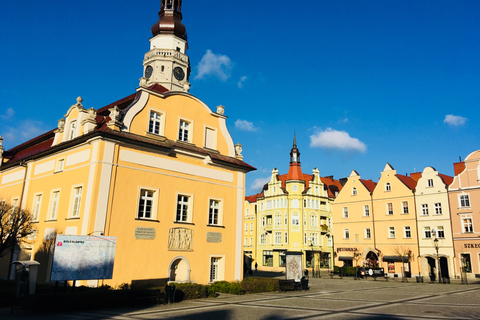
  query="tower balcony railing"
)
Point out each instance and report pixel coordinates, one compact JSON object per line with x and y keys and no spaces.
{"x":166,"y":53}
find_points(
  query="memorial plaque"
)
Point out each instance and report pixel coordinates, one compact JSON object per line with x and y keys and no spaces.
{"x":215,"y":237}
{"x":144,"y":233}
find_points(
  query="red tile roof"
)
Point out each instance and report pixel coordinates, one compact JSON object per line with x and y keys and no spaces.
{"x":446,"y":179}
{"x":369,"y":184}
{"x":458,"y":167}
{"x":409,"y":182}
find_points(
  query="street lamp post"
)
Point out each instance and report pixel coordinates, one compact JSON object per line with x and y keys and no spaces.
{"x":437,"y":246}
{"x":313,"y":258}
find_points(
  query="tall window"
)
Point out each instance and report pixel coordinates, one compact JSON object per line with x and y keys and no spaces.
{"x":73,"y":130}
{"x":391,"y":232}
{"x":77,"y":200}
{"x":263,"y":238}
{"x":389,"y":208}
{"x":183,"y":131}
{"x":286,"y":237}
{"x":60,"y":165}
{"x":214,"y":213}
{"x":407,"y":232}
{"x":424,"y":209}
{"x":466,"y":263}
{"x":278,"y":219}
{"x":345,"y":212}
{"x":464,"y":200}
{"x":314,"y":239}
{"x":278,"y":237}
{"x":268,"y":258}
{"x":36,"y":207}
{"x":388,"y":186}
{"x":405,"y":207}
{"x":427,"y":233}
{"x":440,"y":232}
{"x":295,"y":220}
{"x":430,"y":183}
{"x":366,"y":210}
{"x":145,"y":204}
{"x":467,"y":224}
{"x":438,"y":208}
{"x":346,"y":234}
{"x":368,"y":233}
{"x":354,"y":191}
{"x":54,"y":204}
{"x":182,"y":208}
{"x":214,"y":268}
{"x":313,"y":220}
{"x":155,"y":122}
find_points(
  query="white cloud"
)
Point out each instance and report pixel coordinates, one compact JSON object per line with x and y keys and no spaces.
{"x":217,"y":65}
{"x":24,"y":131}
{"x":452,"y":120}
{"x":333,"y":139}
{"x":241,"y":81}
{"x":245,"y":125}
{"x":9,"y":113}
{"x":259,"y":183}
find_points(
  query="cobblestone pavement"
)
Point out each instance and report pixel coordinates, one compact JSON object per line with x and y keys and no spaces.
{"x":326,"y":299}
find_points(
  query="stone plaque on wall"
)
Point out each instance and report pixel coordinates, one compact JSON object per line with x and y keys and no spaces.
{"x":180,"y":239}
{"x":215,"y":237}
{"x":145,"y":233}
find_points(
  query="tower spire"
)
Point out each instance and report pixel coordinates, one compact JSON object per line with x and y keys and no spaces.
{"x":295,"y":170}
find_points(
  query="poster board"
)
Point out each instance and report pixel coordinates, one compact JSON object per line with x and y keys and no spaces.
{"x":294,"y":266}
{"x":83,"y":257}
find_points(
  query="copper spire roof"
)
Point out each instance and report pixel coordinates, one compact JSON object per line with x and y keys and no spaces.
{"x":170,"y":20}
{"x":295,"y":170}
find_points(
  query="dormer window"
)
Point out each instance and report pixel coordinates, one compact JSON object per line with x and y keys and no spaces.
{"x":73,"y":130}
{"x":388,"y":186}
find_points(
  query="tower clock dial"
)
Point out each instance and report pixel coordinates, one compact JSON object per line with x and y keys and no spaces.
{"x":148,"y":72}
{"x":178,"y":73}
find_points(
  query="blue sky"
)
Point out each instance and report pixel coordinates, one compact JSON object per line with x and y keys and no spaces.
{"x":362,"y":83}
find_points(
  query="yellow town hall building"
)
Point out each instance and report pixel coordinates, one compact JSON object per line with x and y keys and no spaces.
{"x":293,"y":212}
{"x":157,"y":169}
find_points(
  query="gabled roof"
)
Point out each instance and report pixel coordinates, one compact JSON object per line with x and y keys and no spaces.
{"x":446,"y":179}
{"x":369,"y":184}
{"x":409,"y":182}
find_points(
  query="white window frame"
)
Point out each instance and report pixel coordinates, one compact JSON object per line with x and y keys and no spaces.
{"x":389,"y":209}
{"x":427,"y":233}
{"x":278,"y":237}
{"x":345,"y":212}
{"x":405,"y":209}
{"x":407,"y":232}
{"x":263,"y":238}
{"x":354,"y":191}
{"x":313,"y":220}
{"x":215,"y":207}
{"x":210,"y":138}
{"x":152,"y":121}
{"x":346,"y":234}
{"x":286,"y":237}
{"x":438,"y":208}
{"x":295,"y":220}
{"x":143,"y":197}
{"x":54,"y":204}
{"x":424,"y":209}
{"x":366,"y":210}
{"x":391,"y":232}
{"x":183,"y":203}
{"x":368,"y":233}
{"x":469,"y":225}
{"x":60,"y":165}
{"x":278,"y":219}
{"x":464,"y":200}
{"x":217,"y":268}
{"x":430,"y":183}
{"x":37,"y":205}
{"x":185,"y":130}
{"x":440,"y":232}
{"x":76,"y":201}
{"x":72,"y":130}
{"x":388,"y":186}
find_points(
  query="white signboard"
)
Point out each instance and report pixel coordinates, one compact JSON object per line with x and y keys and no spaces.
{"x":83,"y":257}
{"x":293,"y":265}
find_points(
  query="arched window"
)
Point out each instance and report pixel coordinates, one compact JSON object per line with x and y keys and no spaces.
{"x":354,"y":191}
{"x":388,"y":186}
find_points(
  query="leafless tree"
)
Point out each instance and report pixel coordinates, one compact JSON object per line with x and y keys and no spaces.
{"x":15,"y":227}
{"x":406,"y":256}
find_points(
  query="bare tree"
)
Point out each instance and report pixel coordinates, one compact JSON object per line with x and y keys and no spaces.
{"x":405,"y":257}
{"x":15,"y":227}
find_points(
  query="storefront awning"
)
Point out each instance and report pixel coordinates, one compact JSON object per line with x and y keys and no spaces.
{"x":395,"y":259}
{"x":345,"y":258}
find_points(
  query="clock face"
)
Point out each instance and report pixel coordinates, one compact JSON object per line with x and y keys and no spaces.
{"x":178,"y":73}
{"x":148,"y":72}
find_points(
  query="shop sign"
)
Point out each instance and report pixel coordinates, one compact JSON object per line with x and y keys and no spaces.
{"x":471,"y":245}
{"x":376,"y":272}
{"x":347,"y":249}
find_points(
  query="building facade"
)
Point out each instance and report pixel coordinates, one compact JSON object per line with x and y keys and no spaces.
{"x":292,"y":213}
{"x":464,"y":196}
{"x":157,"y":169}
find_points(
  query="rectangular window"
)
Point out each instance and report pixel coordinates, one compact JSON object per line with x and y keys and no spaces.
{"x":467,"y":224}
{"x":388,"y":186}
{"x":405,"y":207}
{"x":346,"y":234}
{"x":438,"y":208}
{"x":466,"y":263}
{"x":251,"y":226}
{"x":251,"y":242}
{"x":245,"y":242}
{"x":278,"y":237}
{"x":183,"y":131}
{"x":77,"y":200}
{"x":54,"y":205}
{"x":464,"y":200}
{"x":313,"y":220}
{"x":73,"y":130}
{"x":295,"y":220}
{"x":263,"y":238}
{"x":155,"y":122}
{"x":145,"y":204}
{"x":214,"y":268}
{"x":366,"y":211}
{"x":314,"y":239}
{"x":268,"y":258}
{"x":286,"y":237}
{"x":368,"y":233}
{"x":60,"y":165}
{"x":389,"y":208}
{"x":424,"y":209}
{"x":427,"y":233}
{"x":441,"y":232}
{"x":345,"y":212}
{"x":183,"y":208}
{"x":391,"y":232}
{"x":246,"y":226}
{"x":278,"y":219}
{"x":214,"y":214}
{"x":430,"y":183}
{"x":407,"y":232}
{"x":36,"y":207}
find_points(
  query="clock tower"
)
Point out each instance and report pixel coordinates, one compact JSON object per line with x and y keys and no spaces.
{"x":167,"y":63}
